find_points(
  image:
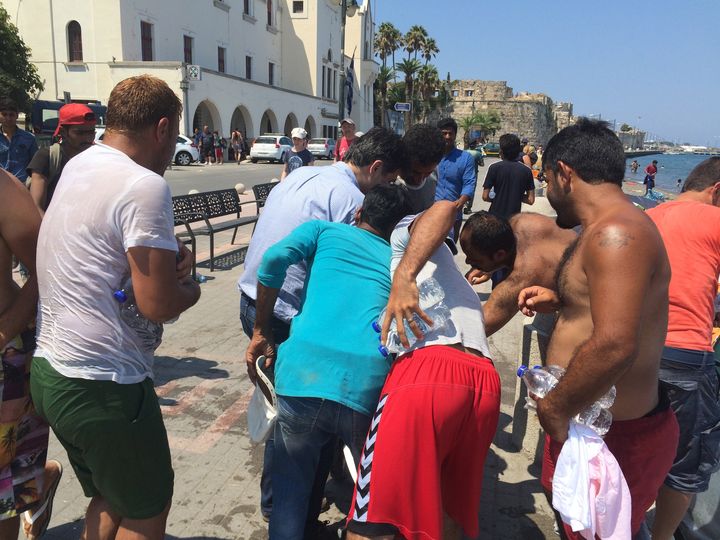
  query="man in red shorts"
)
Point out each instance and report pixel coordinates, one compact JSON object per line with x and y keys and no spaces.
{"x":612,"y":299}
{"x":438,"y":409}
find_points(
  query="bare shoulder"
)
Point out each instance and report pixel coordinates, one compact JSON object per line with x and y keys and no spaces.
{"x":630,"y":233}
{"x":11,"y":188}
{"x":15,"y":201}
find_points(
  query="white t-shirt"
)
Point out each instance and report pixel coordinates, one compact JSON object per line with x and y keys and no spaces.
{"x":104,"y":204}
{"x":467,"y":325}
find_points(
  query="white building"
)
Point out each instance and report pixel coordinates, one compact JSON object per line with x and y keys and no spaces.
{"x":265,"y":65}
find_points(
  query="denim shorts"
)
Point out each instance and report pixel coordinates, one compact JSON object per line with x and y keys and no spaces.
{"x":692,"y":385}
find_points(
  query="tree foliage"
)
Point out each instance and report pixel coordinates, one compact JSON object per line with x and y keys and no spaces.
{"x":18,"y":77}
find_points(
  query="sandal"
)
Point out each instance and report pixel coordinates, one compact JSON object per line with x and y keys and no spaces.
{"x":36,"y":521}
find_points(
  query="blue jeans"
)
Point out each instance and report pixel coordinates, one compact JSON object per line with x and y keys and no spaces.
{"x":306,"y":429}
{"x":281,"y":331}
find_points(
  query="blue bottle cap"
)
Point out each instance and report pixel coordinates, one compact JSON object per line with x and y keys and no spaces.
{"x":120,"y":296}
{"x":521,"y":371}
{"x":383,"y":350}
{"x":376,"y":327}
{"x":537,"y":367}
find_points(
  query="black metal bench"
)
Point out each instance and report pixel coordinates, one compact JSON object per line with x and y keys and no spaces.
{"x":202,"y":208}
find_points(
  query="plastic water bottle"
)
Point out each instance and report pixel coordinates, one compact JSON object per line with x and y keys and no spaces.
{"x":607,"y":399}
{"x":439,"y":314}
{"x":149,"y":332}
{"x":541,"y":380}
{"x":430,"y":293}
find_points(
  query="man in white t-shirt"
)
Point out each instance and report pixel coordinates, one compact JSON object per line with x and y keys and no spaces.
{"x":112,"y":219}
{"x":442,"y":395}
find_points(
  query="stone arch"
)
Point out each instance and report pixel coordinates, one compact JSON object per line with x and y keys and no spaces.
{"x":268,"y":123}
{"x":242,"y":120}
{"x":291,"y":122}
{"x":310,"y":127}
{"x":207,"y":114}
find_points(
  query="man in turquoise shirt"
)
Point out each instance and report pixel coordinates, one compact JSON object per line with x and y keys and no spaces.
{"x":329,"y":371}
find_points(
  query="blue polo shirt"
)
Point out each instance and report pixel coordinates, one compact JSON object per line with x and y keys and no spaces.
{"x":456,"y":176}
{"x":15,"y":154}
{"x":332,"y":351}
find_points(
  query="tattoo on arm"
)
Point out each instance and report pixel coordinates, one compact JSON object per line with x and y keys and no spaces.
{"x":614,"y":239}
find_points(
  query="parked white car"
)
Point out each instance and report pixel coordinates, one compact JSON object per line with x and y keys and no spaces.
{"x":185,"y":150}
{"x":322,"y":148}
{"x":270,"y":146}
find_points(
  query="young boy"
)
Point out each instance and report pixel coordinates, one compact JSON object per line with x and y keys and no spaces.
{"x":299,"y":156}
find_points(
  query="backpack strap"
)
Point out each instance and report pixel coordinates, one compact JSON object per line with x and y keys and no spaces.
{"x":55,"y":159}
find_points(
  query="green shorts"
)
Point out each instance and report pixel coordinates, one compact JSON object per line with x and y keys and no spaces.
{"x":114,"y":436}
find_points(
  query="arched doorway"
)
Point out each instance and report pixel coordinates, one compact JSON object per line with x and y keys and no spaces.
{"x":242,"y":121}
{"x":206,"y":114}
{"x":269,"y":122}
{"x":310,"y":127}
{"x":290,"y":123}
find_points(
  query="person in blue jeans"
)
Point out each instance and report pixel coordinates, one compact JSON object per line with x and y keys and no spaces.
{"x":329,"y":371}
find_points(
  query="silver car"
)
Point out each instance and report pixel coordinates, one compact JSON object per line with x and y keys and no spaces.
{"x":270,"y":146}
{"x":322,"y":148}
{"x":186,"y":152}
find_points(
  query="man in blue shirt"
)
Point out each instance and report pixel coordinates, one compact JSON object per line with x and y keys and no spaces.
{"x":328,"y":193}
{"x":456,"y":172}
{"x":329,"y":371}
{"x":17,"y":146}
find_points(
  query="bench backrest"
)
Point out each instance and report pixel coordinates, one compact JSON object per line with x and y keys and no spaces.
{"x":261,"y":192}
{"x":199,"y":206}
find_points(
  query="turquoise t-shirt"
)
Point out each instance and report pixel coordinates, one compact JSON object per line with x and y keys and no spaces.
{"x":332,"y":351}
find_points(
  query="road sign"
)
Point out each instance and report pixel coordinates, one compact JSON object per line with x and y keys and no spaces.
{"x":402,"y":107}
{"x":193,"y":72}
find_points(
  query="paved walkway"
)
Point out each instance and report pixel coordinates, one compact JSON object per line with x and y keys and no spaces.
{"x":204,"y":391}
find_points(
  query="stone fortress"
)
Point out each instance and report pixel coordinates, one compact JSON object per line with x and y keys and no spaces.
{"x":534,"y":116}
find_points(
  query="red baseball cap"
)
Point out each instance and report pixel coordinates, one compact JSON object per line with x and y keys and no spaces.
{"x":75,"y":114}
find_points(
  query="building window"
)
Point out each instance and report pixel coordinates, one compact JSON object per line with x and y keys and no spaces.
{"x":322,"y":91}
{"x":455,"y":93}
{"x":146,"y":41}
{"x":248,"y":67}
{"x":334,"y":84}
{"x":221,"y":59}
{"x":187,"y":49}
{"x":271,"y":74}
{"x":298,"y":6}
{"x":366,"y":50}
{"x":468,"y":93}
{"x":269,"y":13}
{"x":246,"y":7}
{"x":74,"y":39}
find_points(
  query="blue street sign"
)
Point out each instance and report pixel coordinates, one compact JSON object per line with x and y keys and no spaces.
{"x":402,"y":107}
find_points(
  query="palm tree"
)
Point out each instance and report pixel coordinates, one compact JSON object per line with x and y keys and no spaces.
{"x":429,"y":49}
{"x":414,"y":40}
{"x":409,"y":68}
{"x":428,"y":82}
{"x":388,"y":40}
{"x":488,"y":122}
{"x":385,"y":75}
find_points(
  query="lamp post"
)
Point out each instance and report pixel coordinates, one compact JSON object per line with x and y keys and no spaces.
{"x":347,"y":9}
{"x":184,"y":86}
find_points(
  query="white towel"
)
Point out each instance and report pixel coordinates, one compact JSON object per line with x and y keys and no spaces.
{"x":589,"y":489}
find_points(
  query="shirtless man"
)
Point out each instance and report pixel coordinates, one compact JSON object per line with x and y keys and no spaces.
{"x":529,"y":245}
{"x":19,"y":226}
{"x":612,"y":298}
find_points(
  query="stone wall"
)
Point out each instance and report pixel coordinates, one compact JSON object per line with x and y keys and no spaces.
{"x":534,"y":116}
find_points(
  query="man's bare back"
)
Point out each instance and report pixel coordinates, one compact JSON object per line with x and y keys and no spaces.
{"x":539,"y":249}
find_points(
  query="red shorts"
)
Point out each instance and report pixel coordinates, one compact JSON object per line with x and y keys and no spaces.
{"x":426,"y":448}
{"x":645,"y":450}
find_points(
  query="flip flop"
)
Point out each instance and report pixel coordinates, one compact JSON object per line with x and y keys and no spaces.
{"x":35,"y":522}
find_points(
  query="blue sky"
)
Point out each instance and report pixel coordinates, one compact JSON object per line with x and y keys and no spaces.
{"x":650,"y":63}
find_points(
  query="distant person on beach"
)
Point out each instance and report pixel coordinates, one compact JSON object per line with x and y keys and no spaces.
{"x":634,"y":166}
{"x":690,"y":228}
{"x":529,"y":246}
{"x":679,"y":184}
{"x":650,"y":172}
{"x":611,"y":297}
{"x":443,"y":394}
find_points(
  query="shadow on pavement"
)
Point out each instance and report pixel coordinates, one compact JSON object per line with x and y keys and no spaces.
{"x":225,"y":261}
{"x":169,"y":368}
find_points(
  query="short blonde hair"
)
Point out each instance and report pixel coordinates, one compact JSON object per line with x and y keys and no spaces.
{"x":140,"y":102}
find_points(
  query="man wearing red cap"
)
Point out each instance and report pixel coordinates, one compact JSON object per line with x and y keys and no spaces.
{"x":76,"y":128}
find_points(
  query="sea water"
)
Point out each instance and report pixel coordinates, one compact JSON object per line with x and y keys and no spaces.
{"x":670,"y":168}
